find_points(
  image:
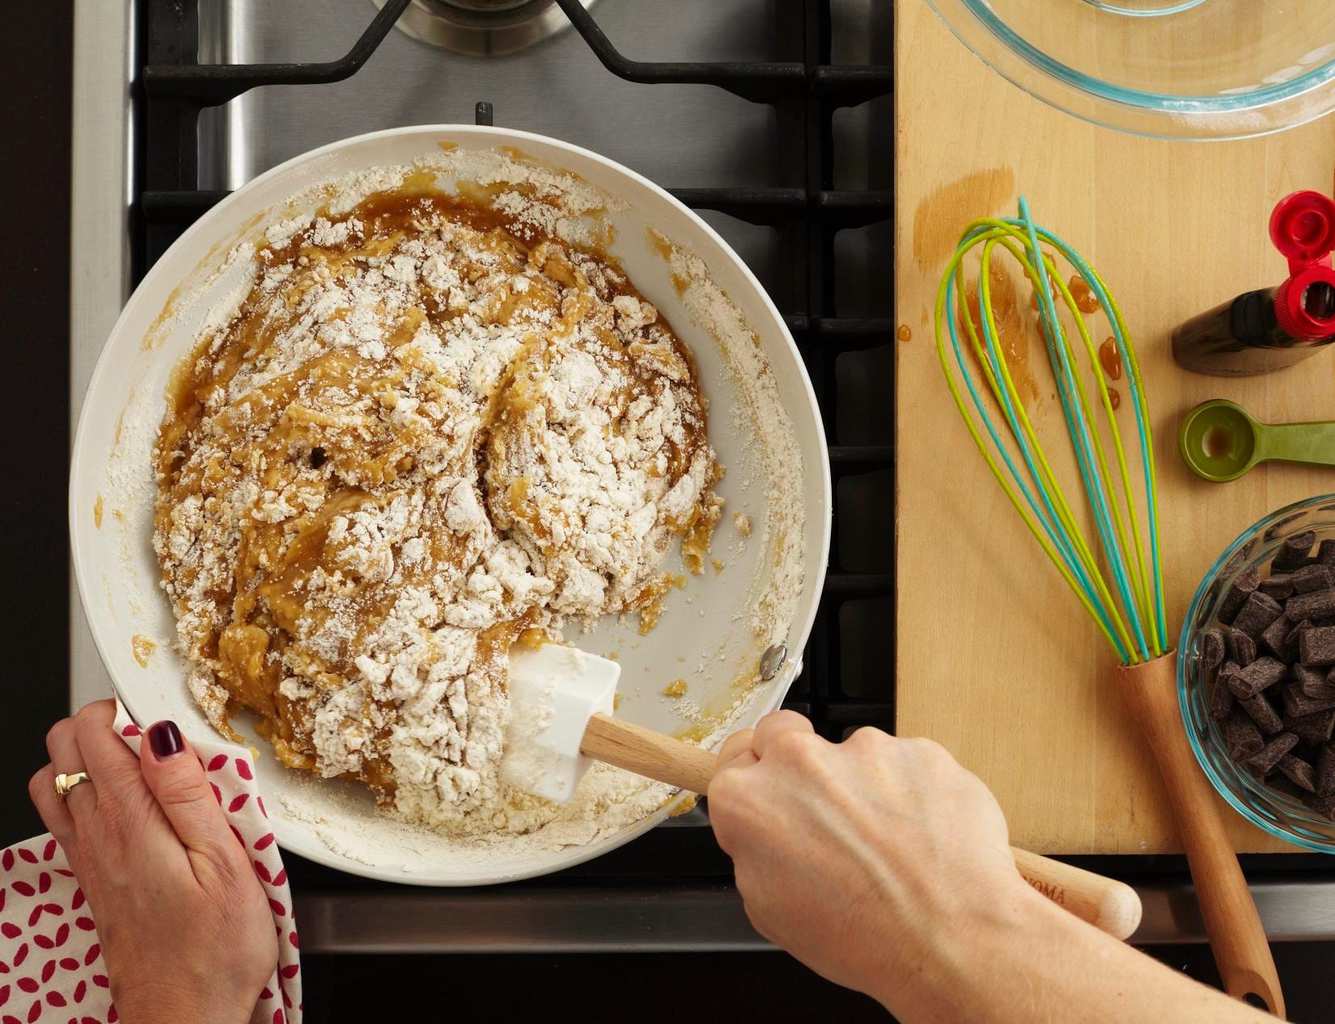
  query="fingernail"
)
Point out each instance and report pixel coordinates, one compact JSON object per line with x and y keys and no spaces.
{"x":164,"y":739}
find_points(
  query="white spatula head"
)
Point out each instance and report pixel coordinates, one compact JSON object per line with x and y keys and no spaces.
{"x":554,"y":691}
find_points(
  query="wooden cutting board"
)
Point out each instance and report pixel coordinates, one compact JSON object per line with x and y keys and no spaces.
{"x":1174,"y":228}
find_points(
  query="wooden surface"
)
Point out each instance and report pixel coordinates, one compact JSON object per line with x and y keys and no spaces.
{"x":1174,"y":228}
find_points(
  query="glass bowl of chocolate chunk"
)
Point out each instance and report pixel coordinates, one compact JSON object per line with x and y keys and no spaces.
{"x":1256,"y":674}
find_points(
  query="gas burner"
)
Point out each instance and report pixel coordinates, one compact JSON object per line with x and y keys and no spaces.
{"x":483,"y":28}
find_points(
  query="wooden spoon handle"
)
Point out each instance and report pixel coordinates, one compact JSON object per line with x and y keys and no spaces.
{"x":1103,"y":902}
{"x":1231,"y":921}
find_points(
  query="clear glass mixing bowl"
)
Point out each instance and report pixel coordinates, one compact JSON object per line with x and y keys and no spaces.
{"x":1188,"y":69}
{"x":1264,"y":806}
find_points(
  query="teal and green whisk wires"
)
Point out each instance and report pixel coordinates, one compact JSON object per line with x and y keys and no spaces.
{"x":1122,"y":590}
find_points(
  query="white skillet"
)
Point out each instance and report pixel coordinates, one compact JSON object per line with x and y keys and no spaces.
{"x":703,"y":635}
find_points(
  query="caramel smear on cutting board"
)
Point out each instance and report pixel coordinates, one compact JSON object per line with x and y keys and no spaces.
{"x":1013,"y":334}
{"x":941,"y":217}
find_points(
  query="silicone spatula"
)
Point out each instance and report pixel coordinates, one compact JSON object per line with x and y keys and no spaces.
{"x":561,"y":721}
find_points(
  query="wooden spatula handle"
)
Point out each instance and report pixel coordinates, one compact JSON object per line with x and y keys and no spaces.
{"x":1103,"y":902}
{"x":1231,"y":921}
{"x":648,"y":753}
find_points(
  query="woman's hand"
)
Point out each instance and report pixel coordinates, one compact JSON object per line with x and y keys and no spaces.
{"x":863,"y":859}
{"x":884,"y":865}
{"x":185,"y":928}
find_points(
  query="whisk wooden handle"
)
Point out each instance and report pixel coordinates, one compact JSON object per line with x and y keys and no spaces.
{"x":1231,"y":921}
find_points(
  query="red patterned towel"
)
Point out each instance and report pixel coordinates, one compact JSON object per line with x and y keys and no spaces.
{"x":50,"y":962}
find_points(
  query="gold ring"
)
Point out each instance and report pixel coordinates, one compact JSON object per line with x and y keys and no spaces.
{"x":66,"y":782}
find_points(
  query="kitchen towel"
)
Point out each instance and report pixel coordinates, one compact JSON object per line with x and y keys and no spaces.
{"x":50,"y":962}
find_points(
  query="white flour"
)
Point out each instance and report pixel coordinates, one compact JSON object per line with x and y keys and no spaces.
{"x":416,"y":433}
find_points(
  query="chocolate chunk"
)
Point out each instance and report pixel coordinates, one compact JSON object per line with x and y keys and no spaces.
{"x":1316,"y":605}
{"x":1242,"y":648}
{"x":1212,"y":651}
{"x":1290,"y":651}
{"x":1221,"y":700}
{"x":1299,"y":772}
{"x":1238,"y":591}
{"x":1236,"y":683}
{"x":1292,"y":553}
{"x":1297,"y":704}
{"x":1311,"y":577}
{"x":1314,"y":729}
{"x":1263,"y":762}
{"x":1259,"y":611}
{"x":1265,"y":672}
{"x":1279,"y":587}
{"x":1243,"y":739}
{"x":1314,"y":684}
{"x":1262,"y":713}
{"x":1278,"y":637}
{"x":1325,"y":771}
{"x":1250,"y":680}
{"x":1316,"y":646}
{"x":1324,"y":806}
{"x":1310,"y":684}
{"x":1325,"y":552}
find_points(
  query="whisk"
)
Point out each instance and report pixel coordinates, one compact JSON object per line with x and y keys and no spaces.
{"x":1116,"y":574}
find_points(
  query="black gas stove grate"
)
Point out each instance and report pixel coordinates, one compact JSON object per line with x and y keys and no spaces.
{"x":806,"y":211}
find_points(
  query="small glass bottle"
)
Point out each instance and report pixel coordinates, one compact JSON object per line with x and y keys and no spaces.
{"x":1246,"y":336}
{"x":1271,"y":328}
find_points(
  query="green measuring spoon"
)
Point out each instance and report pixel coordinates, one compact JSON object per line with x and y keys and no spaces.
{"x":1220,"y":442}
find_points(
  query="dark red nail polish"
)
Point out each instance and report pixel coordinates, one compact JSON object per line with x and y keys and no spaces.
{"x":164,"y":739}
